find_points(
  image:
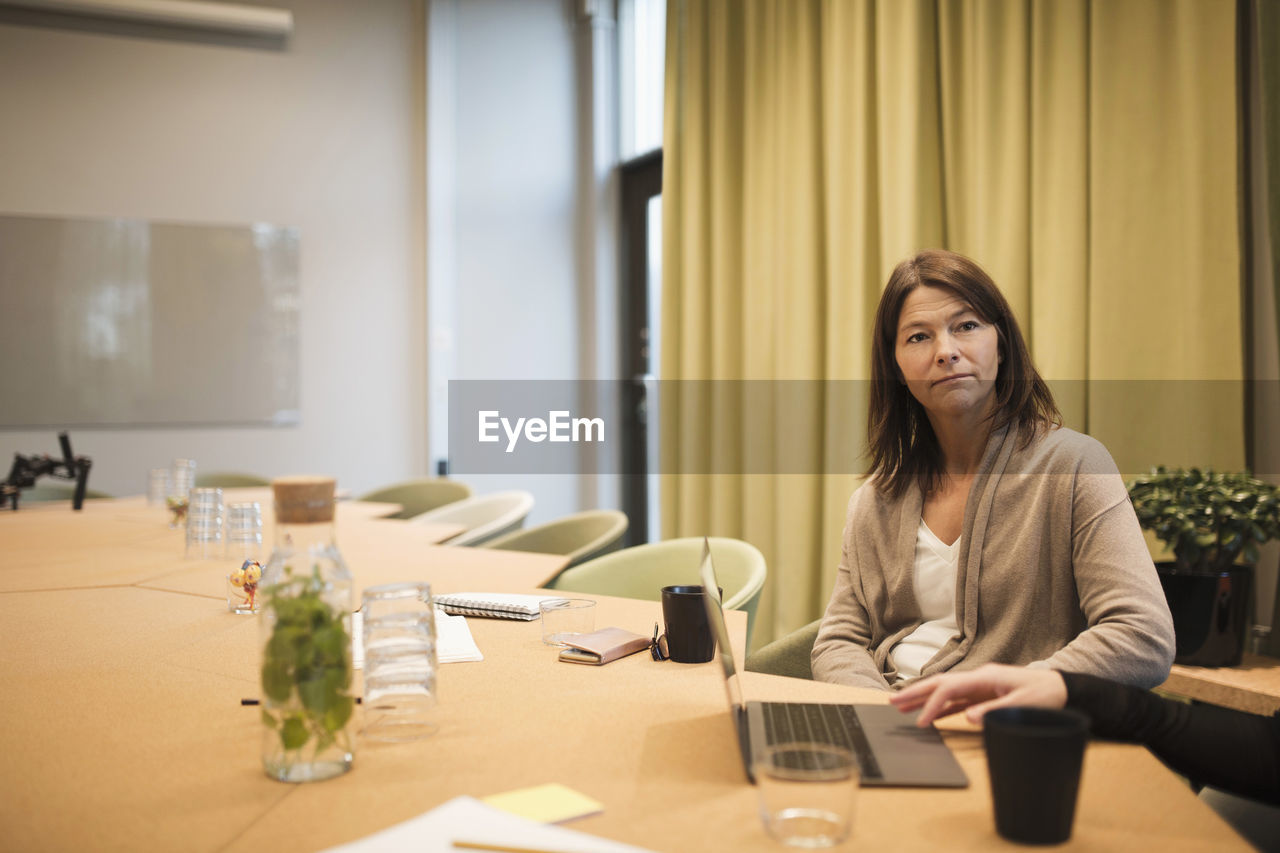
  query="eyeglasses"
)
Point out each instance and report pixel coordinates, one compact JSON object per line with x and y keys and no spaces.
{"x":658,"y":645}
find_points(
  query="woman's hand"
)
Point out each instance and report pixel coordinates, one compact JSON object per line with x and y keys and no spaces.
{"x":989,"y":686}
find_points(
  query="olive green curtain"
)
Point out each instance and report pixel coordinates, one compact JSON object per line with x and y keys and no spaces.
{"x":1266,"y":37}
{"x":1262,"y":229}
{"x":1083,"y":152}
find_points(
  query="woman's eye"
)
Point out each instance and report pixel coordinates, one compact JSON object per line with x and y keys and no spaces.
{"x":968,"y":325}
{"x":916,"y":338}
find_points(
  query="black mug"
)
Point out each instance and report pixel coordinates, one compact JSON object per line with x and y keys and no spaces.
{"x":689,"y":638}
{"x":1034,"y":757}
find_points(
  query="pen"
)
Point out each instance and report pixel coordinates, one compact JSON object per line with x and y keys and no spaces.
{"x":359,"y":701}
{"x":501,"y":848}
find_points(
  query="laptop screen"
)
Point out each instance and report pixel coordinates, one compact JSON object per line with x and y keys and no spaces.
{"x":715,"y":617}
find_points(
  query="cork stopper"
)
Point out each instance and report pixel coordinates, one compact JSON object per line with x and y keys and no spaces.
{"x":303,"y":499}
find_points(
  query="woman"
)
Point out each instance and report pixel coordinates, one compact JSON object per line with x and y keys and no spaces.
{"x":1228,"y":749}
{"x":987,"y":531}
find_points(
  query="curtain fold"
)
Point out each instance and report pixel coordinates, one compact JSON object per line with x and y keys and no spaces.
{"x":1261,"y":38}
{"x":1267,"y":46}
{"x":1165,"y":351}
{"x":1082,"y":152}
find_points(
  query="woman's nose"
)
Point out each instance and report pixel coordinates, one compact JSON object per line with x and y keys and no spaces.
{"x":946,"y":353}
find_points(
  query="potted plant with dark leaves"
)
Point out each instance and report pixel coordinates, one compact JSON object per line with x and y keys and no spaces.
{"x":1214,"y":523}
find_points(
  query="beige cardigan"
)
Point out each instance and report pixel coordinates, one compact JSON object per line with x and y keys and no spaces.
{"x":1053,"y":572}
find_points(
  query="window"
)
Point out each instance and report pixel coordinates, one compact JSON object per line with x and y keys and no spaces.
{"x":642,"y":32}
{"x":642,"y":44}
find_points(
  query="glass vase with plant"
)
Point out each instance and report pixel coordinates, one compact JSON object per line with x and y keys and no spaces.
{"x":307,"y":704}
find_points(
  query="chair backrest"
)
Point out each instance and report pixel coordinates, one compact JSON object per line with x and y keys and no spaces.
{"x":55,"y":492}
{"x":788,"y":655}
{"x":642,"y":572}
{"x":580,"y":537}
{"x":229,"y":480}
{"x":484,"y":516}
{"x":419,"y":496}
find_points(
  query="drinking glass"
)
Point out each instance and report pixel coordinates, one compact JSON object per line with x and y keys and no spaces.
{"x":244,"y":530}
{"x":182,"y":477}
{"x":807,"y":792}
{"x":204,"y":523}
{"x":399,"y":639}
{"x":157,"y":486}
{"x":566,"y":618}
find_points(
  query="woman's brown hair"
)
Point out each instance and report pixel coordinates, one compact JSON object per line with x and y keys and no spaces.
{"x":903,"y":447}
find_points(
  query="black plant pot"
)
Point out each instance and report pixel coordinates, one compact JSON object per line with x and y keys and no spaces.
{"x":1211,"y":613}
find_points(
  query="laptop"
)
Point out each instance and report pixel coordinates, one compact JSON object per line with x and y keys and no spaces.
{"x":891,"y":749}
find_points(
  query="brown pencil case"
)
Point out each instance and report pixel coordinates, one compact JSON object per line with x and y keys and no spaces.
{"x":602,"y":646}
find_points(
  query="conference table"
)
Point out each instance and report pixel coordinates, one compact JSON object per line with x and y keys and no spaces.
{"x":1253,"y":685}
{"x":122,"y":727}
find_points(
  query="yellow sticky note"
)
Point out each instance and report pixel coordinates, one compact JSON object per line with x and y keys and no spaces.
{"x":545,"y":803}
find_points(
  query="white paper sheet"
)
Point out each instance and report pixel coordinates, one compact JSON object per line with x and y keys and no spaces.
{"x":468,"y":819}
{"x":454,"y":643}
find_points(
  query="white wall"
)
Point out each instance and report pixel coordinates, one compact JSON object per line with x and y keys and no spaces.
{"x":335,"y":134}
{"x":326,"y":134}
{"x":503,"y":132}
{"x":515,"y":190}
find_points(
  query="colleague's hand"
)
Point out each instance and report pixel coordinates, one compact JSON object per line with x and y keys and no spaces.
{"x":980,"y":690}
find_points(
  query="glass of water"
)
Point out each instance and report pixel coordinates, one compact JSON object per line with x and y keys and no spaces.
{"x":807,"y":792}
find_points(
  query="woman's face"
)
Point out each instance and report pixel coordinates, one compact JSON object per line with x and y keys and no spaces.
{"x":947,"y":354}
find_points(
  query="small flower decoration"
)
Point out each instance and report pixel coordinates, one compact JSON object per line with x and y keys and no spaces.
{"x":246,"y":580}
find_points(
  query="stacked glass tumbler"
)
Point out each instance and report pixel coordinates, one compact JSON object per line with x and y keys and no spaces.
{"x":204,"y":524}
{"x":182,"y":477}
{"x":399,"y":662}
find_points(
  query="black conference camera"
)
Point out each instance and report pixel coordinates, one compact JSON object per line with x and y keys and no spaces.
{"x":26,"y":469}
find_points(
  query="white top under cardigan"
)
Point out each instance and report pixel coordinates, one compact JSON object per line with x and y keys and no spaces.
{"x":935,"y":586}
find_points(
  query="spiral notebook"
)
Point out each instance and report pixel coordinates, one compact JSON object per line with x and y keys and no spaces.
{"x":492,"y":605}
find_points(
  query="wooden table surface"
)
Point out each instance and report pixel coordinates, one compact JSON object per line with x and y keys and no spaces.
{"x":122,"y":728}
{"x":1253,"y":685}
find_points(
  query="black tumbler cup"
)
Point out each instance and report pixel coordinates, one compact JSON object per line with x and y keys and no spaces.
{"x":689,"y":637}
{"x":1034,"y":756}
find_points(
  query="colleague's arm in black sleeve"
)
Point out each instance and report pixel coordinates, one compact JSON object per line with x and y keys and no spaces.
{"x":1227,"y":749}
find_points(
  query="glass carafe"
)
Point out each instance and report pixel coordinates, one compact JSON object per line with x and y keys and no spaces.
{"x":305,"y":613}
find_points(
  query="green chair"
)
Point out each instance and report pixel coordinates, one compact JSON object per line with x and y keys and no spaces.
{"x":419,"y":496}
{"x":485,"y":517}
{"x":580,"y":537}
{"x":53,"y":492}
{"x":787,"y":655}
{"x":642,"y":572}
{"x":1257,"y":821}
{"x":229,"y":480}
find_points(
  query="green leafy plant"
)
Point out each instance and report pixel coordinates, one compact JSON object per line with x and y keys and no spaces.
{"x":1209,"y":519}
{"x":306,"y":670}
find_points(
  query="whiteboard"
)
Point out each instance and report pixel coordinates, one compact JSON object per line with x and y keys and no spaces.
{"x":119,"y":322}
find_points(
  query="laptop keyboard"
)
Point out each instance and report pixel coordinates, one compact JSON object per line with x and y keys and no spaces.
{"x":821,"y":723}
